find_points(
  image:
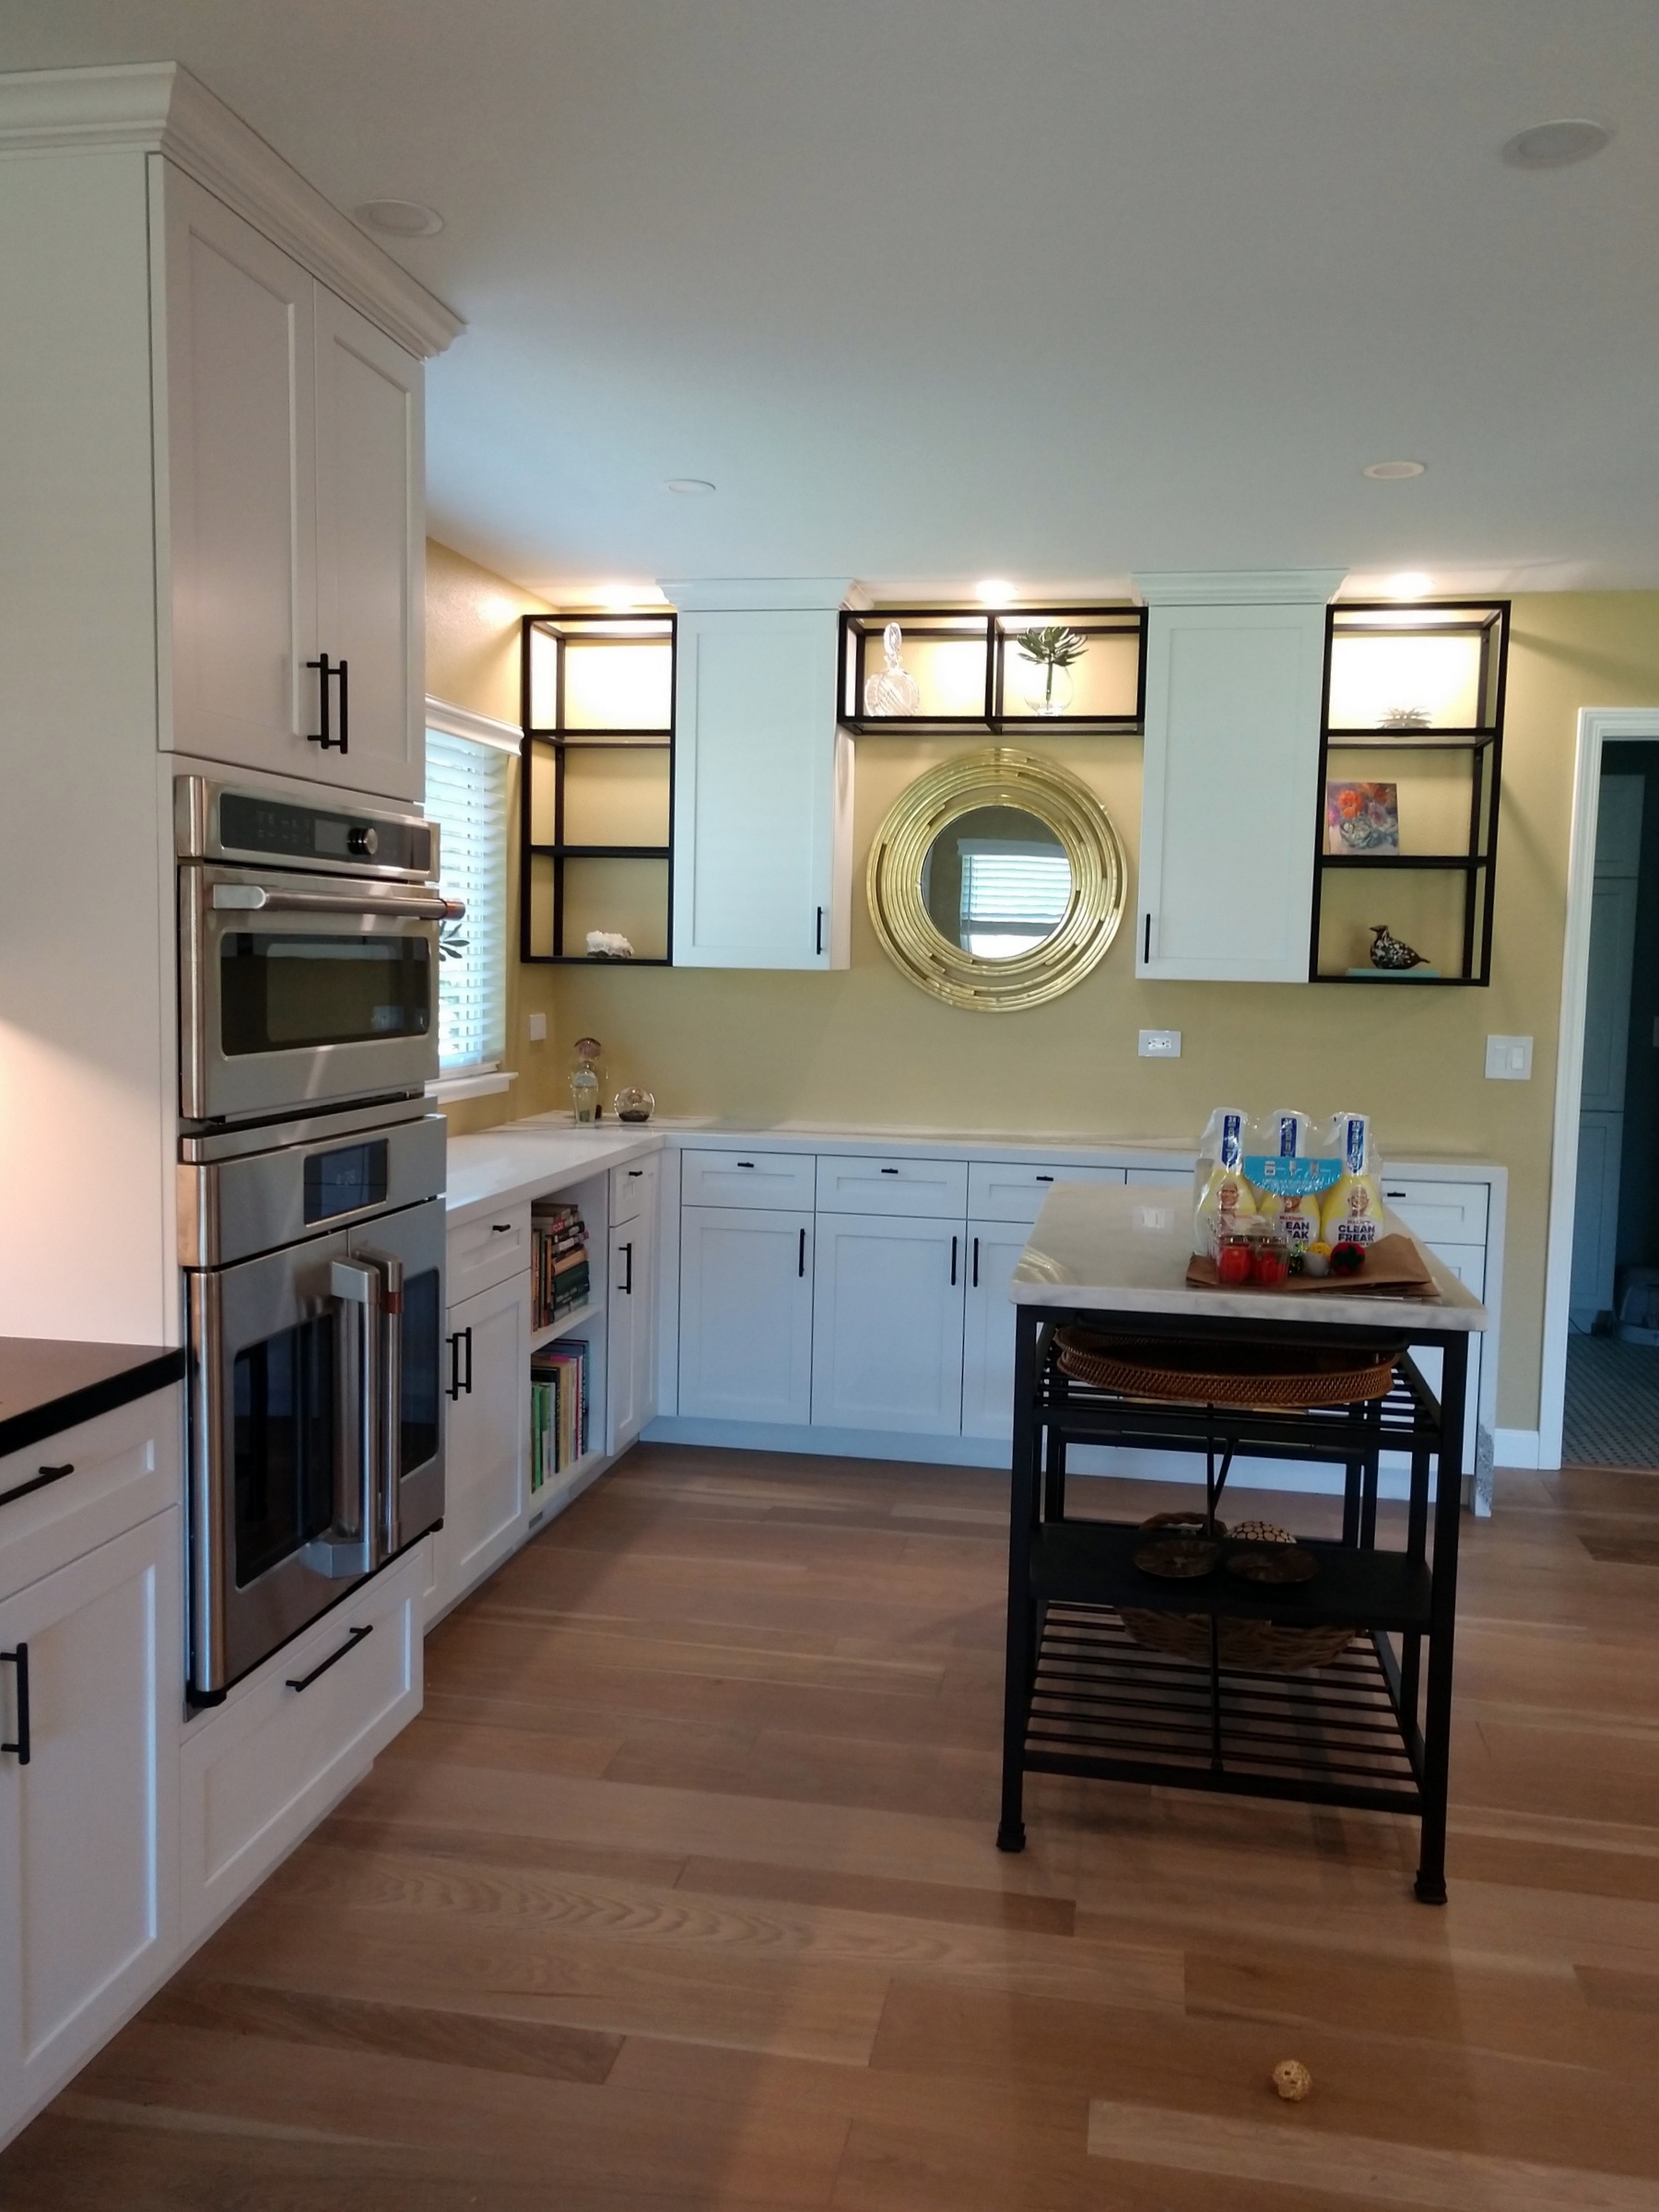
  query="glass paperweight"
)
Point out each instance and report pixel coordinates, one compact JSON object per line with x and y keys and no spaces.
{"x":892,"y":690}
{"x":632,"y":1104}
{"x":585,"y":1079}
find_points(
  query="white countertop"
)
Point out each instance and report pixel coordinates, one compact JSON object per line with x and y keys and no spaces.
{"x":523,"y":1160}
{"x":1125,"y":1251}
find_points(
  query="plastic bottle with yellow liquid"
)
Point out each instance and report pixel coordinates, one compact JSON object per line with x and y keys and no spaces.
{"x":1353,"y":1210}
{"x":1286,"y":1200}
{"x":1225,"y":1196}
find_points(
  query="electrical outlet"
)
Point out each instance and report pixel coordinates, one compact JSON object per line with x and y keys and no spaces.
{"x":1509,"y":1059}
{"x":1161,"y":1044}
{"x":538,"y":1028}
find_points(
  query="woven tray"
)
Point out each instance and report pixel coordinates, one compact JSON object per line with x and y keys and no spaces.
{"x":1261,"y":1645}
{"x":1196,"y":1373}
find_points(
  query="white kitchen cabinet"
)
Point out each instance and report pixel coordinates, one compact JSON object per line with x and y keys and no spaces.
{"x":746,"y":1302}
{"x":1229,"y":804}
{"x":293,"y":495}
{"x":487,"y":1439}
{"x":993,"y":1250}
{"x":762,"y":789}
{"x":630,"y":1338}
{"x":88,"y":1826}
{"x":887,"y":1333}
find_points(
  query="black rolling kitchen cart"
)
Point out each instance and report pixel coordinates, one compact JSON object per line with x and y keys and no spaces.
{"x":1085,"y":1697}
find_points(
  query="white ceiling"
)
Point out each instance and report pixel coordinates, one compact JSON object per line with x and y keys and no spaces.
{"x":932,"y":290}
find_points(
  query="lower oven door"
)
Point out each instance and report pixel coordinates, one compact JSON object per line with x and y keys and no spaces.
{"x":315,"y":1437}
{"x":297,"y":991}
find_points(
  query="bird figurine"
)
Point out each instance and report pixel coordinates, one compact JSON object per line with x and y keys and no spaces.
{"x":1387,"y":951}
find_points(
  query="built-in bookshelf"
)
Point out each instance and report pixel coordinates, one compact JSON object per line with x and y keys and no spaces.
{"x":597,"y":840}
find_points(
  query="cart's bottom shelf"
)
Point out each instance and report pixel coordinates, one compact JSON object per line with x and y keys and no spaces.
{"x":1105,"y":1706}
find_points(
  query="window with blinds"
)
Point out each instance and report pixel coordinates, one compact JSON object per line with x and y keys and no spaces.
{"x":466,"y":793}
{"x":1013,"y":896}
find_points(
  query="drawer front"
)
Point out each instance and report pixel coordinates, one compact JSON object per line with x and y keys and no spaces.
{"x":1438,"y":1213}
{"x":126,"y":1465}
{"x":1467,"y":1262}
{"x":780,"y":1180}
{"x":937,"y":1188}
{"x":633,"y":1189}
{"x":1000,"y":1190}
{"x":487,"y":1249}
{"x":255,"y":1775}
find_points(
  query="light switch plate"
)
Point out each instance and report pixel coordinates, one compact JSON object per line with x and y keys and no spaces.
{"x":538,"y":1028}
{"x":1161,"y":1044}
{"x":1509,"y":1059}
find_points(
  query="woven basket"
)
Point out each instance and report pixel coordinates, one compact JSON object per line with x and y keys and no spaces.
{"x":1260,"y":1646}
{"x":1297,"y":1374}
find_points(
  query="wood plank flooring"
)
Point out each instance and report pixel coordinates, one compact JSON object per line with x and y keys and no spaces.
{"x":682,"y":1896}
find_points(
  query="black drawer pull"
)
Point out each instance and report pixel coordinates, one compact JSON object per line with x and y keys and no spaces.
{"x":889,"y":1170}
{"x":353,"y":1638}
{"x":501,"y":1228}
{"x":57,"y":1473}
{"x":19,"y":1659}
{"x":1044,"y":1178}
{"x":746,"y":1163}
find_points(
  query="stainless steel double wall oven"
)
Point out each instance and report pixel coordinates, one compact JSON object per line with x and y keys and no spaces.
{"x":311,"y":1213}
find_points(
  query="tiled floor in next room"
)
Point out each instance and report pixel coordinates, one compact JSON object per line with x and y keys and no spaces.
{"x":682,"y":1895}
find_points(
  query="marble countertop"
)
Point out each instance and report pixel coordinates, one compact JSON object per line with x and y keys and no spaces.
{"x":49,"y":1383}
{"x":1125,"y":1251}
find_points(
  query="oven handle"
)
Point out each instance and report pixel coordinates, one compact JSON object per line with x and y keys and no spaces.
{"x":253,"y":898}
{"x":387,"y":1388}
{"x":359,"y":1291}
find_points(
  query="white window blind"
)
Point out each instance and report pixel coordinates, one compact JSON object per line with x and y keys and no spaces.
{"x":1013,"y":896}
{"x":466,"y":794}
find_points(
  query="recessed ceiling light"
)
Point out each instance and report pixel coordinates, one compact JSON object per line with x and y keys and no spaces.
{"x":1410,"y":583}
{"x":1392,"y":472}
{"x":994,"y":590}
{"x":1553,"y":145}
{"x":400,"y":219}
{"x":688,"y":488}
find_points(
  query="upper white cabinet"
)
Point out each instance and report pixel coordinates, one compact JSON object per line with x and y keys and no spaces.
{"x":1234,"y":669}
{"x":763,"y":780}
{"x":294,"y":500}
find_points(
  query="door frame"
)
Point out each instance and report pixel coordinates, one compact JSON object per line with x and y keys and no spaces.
{"x":1598,"y":728}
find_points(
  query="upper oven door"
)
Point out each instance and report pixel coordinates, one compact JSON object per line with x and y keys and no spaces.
{"x":297,"y":990}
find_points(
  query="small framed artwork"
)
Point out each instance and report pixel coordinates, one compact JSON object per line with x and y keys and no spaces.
{"x":1362,"y":817}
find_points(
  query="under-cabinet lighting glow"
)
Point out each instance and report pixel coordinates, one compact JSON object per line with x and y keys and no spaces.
{"x":1410,"y":583}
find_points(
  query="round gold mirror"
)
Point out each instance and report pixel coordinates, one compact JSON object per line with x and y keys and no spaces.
{"x":996,"y":881}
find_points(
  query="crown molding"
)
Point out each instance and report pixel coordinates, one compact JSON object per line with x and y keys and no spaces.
{"x":1238,"y":587}
{"x":158,"y":108}
{"x":461,"y":722}
{"x":761,"y":594}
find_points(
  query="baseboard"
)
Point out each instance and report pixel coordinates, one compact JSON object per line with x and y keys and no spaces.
{"x":1515,"y":1447}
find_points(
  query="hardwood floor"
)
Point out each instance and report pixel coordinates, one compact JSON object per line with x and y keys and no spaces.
{"x":682,"y":1895}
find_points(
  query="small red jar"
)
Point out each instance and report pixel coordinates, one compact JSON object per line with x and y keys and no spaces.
{"x":1270,"y":1263}
{"x":1234,"y":1261}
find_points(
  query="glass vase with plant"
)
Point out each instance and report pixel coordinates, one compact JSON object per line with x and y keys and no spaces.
{"x":1053,"y":651}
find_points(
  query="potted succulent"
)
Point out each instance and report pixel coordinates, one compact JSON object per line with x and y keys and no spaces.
{"x":1053,"y":651}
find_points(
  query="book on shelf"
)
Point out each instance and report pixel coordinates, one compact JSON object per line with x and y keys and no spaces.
{"x":559,"y":1270}
{"x":559,"y":1409}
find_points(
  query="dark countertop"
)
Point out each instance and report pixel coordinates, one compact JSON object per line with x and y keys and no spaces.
{"x":48,"y":1385}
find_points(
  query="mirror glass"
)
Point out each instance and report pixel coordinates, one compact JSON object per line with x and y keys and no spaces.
{"x":996,"y":882}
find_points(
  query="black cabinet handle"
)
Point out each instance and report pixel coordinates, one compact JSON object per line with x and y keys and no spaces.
{"x":1147,"y":943}
{"x":628,"y":1282}
{"x":746,"y":1163}
{"x":19,"y":1659}
{"x":501,"y":1228}
{"x":889,"y":1170}
{"x":1043,"y":1179}
{"x":818,"y":942}
{"x":976,"y":1262}
{"x":953,"y":1262}
{"x":57,"y":1473}
{"x":801,"y":1262}
{"x":353,"y":1638}
{"x":324,"y":737}
{"x":457,"y":1388}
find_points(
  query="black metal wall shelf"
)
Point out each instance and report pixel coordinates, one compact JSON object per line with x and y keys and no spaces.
{"x":1420,"y":688}
{"x":965,"y":660}
{"x":571,"y":677}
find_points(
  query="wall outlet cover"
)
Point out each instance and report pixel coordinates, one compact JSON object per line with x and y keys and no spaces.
{"x":1161,"y":1044}
{"x":538,"y":1028}
{"x":1509,"y":1059}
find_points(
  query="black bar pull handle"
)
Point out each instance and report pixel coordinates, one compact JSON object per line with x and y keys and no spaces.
{"x":628,"y":1280}
{"x":801,"y":1261}
{"x":953,"y":1262}
{"x":976,"y":1262}
{"x":456,"y":1387}
{"x":19,"y":1747}
{"x":353,"y":1638}
{"x":818,"y":942}
{"x":327,"y":669}
{"x":345,"y":714}
{"x":1147,"y":942}
{"x":467,"y":1334}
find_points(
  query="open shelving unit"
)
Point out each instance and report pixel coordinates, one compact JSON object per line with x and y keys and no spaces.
{"x":972,"y":673}
{"x":597,"y":793}
{"x":1414,"y":701}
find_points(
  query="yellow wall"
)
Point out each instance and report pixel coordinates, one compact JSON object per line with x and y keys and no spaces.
{"x":865,"y":1046}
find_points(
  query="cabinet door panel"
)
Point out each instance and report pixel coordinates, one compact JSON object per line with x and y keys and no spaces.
{"x":746,"y":1315}
{"x":239,"y":484}
{"x":887,"y":1325}
{"x":759,"y":767}
{"x":1228,"y":816}
{"x":993,"y":1250}
{"x":370,"y":557}
{"x":631,"y":1349}
{"x":487,"y":1445}
{"x":88,"y":1834}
